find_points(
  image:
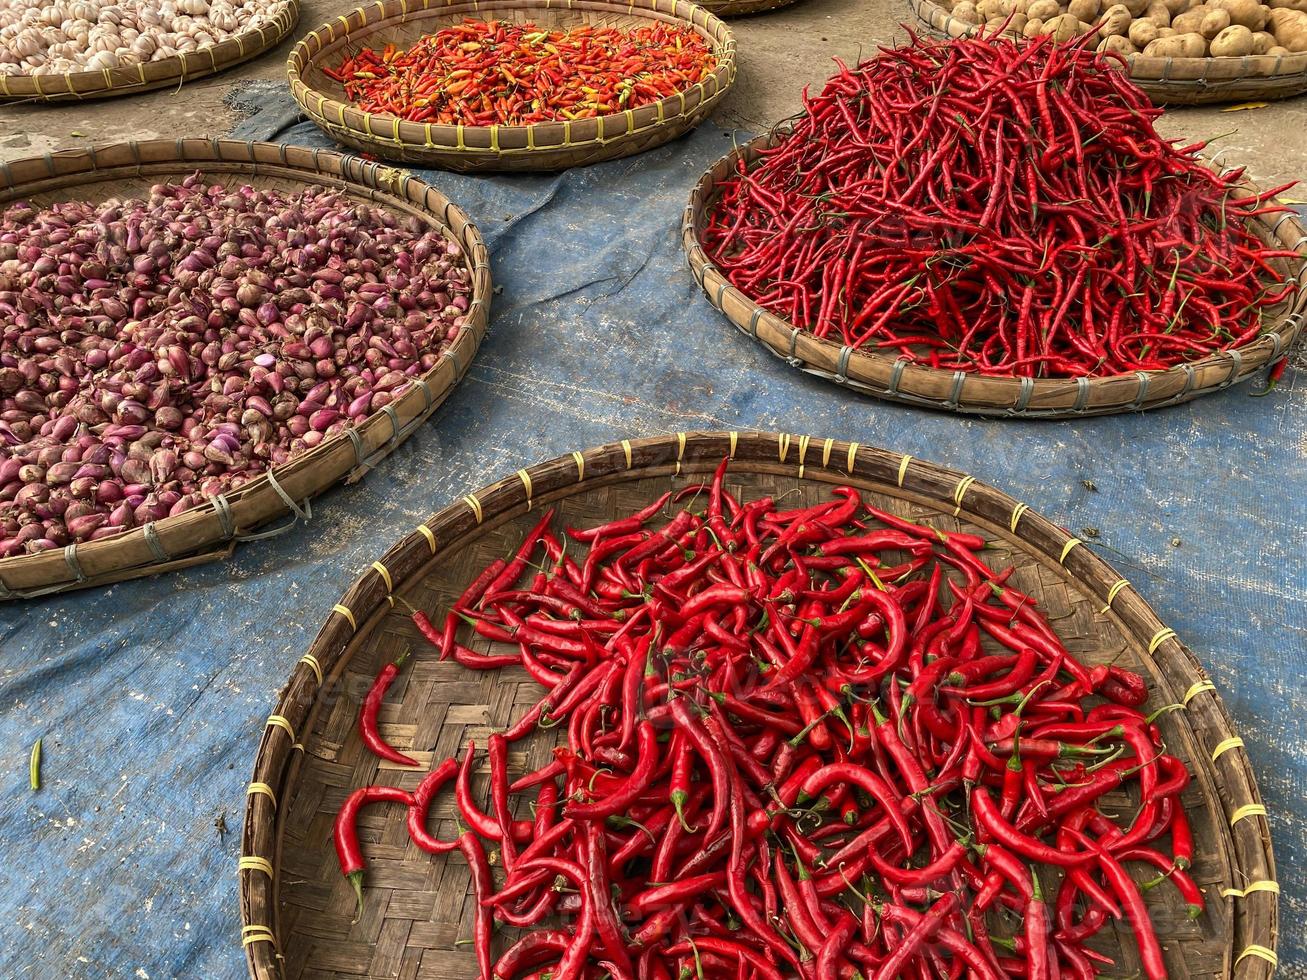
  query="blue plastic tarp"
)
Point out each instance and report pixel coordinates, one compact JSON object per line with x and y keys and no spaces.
{"x":151,"y":695}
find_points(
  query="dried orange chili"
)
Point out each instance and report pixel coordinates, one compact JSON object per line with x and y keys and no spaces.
{"x":482,"y":73}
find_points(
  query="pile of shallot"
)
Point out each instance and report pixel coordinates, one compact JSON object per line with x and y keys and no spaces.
{"x":157,"y":352}
{"x":40,"y":38}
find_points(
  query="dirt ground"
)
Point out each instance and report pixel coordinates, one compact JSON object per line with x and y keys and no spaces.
{"x":779,"y":53}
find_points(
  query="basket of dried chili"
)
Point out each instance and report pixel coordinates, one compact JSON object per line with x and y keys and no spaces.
{"x":471,"y":85}
{"x":725,"y":691}
{"x":1047,"y":254}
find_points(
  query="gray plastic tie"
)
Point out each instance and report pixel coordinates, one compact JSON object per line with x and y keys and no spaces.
{"x":222,"y":508}
{"x":794,"y":359}
{"x":754,"y":317}
{"x":721,"y":290}
{"x":955,"y":397}
{"x":1190,"y":378}
{"x":1023,"y":399}
{"x":1236,"y":364}
{"x":842,"y":371}
{"x":1145,"y":379}
{"x":1082,"y":395}
{"x":74,"y":566}
{"x":286,"y":498}
{"x":357,"y":442}
{"x":896,"y":375}
{"x":156,"y":546}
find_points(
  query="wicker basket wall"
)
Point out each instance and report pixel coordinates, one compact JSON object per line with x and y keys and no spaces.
{"x":896,"y":379}
{"x":741,"y":8}
{"x":1177,"y":81}
{"x":212,"y":530}
{"x":542,"y":146}
{"x":171,"y":72}
{"x":296,"y":908}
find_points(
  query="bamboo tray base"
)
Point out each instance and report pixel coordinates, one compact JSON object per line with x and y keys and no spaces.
{"x":295,"y":905}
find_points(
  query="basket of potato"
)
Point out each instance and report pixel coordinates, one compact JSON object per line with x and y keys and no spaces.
{"x":1178,"y":51}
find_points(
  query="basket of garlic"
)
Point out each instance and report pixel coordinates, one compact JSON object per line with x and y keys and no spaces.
{"x":86,"y":49}
{"x":1181,"y":52}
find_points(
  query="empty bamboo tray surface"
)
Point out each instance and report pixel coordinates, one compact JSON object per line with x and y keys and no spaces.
{"x":742,"y":8}
{"x":1175,"y":81}
{"x":541,"y":146}
{"x":896,"y":379}
{"x":296,"y":908}
{"x":151,"y":75}
{"x":211,"y":531}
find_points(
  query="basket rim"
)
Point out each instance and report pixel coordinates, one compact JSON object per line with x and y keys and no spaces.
{"x":534,"y":141}
{"x":185,"y":67}
{"x":897,"y":379}
{"x":1157,"y":72}
{"x":212,"y":529}
{"x":349,"y":624}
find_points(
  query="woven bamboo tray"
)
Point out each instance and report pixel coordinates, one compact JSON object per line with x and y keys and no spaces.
{"x":739,"y":8}
{"x":296,"y":908}
{"x":171,"y":72}
{"x":896,"y":379}
{"x":1176,"y":81}
{"x":542,"y":146}
{"x":211,"y":531}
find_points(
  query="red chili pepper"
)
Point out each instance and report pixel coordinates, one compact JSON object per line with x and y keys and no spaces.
{"x":345,"y":832}
{"x":372,"y":738}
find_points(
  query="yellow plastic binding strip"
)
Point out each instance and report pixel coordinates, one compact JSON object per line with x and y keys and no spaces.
{"x":431,"y":538}
{"x":680,"y":451}
{"x":825,"y":451}
{"x":963,"y":484}
{"x":580,"y":466}
{"x":1198,"y":688}
{"x":262,"y":789}
{"x":1261,"y":952}
{"x":1247,"y":810}
{"x":525,"y":477}
{"x":1225,"y":745}
{"x":803,"y":452}
{"x":254,"y":863}
{"x":853,"y":456}
{"x":474,"y":504}
{"x":1257,"y":886}
{"x":735,"y":438}
{"x":1017,"y":511}
{"x":783,"y":445}
{"x":345,"y":611}
{"x":257,"y":934}
{"x":1160,"y":637}
{"x":903,"y":468}
{"x":1113,"y":592}
{"x":384,"y":572}
{"x":626,"y":448}
{"x":1068,"y":548}
{"x":314,"y":666}
{"x":278,"y":721}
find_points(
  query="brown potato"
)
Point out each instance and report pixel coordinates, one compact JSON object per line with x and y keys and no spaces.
{"x":1214,"y":22}
{"x":1085,"y":11}
{"x":1262,"y":42}
{"x":1247,"y":13}
{"x":1158,"y":13}
{"x":1142,"y":33}
{"x":1189,"y":20}
{"x":1233,"y":42}
{"x":1115,"y":43}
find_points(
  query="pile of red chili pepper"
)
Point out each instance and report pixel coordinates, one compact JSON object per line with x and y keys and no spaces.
{"x":484,"y":73}
{"x":824,"y":742}
{"x":1000,"y":209}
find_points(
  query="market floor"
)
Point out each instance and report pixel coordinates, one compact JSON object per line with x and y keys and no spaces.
{"x":779,"y":53}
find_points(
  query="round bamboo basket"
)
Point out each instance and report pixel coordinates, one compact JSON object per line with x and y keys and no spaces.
{"x":212,"y":530}
{"x":896,"y":379}
{"x":1176,"y":81}
{"x":172,"y":72}
{"x":296,"y":907}
{"x":538,"y":147}
{"x":740,"y":8}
